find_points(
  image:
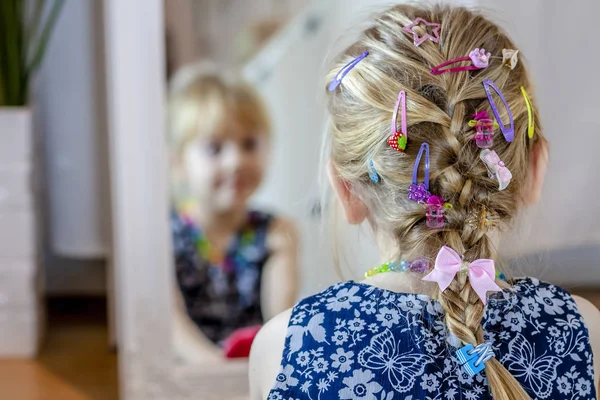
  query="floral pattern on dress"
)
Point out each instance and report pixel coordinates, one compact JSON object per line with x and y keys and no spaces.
{"x":355,"y":341}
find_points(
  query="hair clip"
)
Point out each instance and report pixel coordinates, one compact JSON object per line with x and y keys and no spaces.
{"x":398,"y":139}
{"x":510,"y":58}
{"x":435,"y":214}
{"x":508,"y":132}
{"x":335,"y":82}
{"x":419,"y":192}
{"x":530,"y":122}
{"x":419,"y":40}
{"x":483,"y":219}
{"x":496,"y":168}
{"x":484,"y":129}
{"x":372,"y":171}
{"x":473,"y":359}
{"x":478,"y":57}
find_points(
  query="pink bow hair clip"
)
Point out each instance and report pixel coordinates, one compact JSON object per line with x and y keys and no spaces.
{"x":479,"y":60}
{"x":481,"y":272}
{"x":496,"y":168}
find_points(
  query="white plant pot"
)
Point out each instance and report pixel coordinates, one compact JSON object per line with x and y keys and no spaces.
{"x":20,"y":300}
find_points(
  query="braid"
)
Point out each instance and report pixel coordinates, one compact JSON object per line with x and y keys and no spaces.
{"x":438,"y":110}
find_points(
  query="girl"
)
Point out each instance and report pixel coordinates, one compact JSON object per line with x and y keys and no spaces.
{"x":464,"y":153}
{"x":235,"y":266}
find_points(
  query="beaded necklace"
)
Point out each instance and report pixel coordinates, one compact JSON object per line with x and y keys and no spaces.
{"x":419,"y":265}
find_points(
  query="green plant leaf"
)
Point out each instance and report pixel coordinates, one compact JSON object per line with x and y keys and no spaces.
{"x":46,"y":32}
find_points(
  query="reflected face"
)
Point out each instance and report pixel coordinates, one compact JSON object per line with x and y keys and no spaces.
{"x":224,"y":170}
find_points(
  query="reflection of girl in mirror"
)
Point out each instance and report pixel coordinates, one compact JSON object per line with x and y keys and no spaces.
{"x":434,"y":320}
{"x":235,"y":266}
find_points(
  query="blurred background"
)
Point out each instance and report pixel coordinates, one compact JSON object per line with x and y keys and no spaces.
{"x":58,"y":302}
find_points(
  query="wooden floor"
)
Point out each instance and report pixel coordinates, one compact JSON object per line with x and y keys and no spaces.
{"x":75,"y":363}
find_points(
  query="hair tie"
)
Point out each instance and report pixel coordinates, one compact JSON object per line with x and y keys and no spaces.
{"x":478,"y":57}
{"x":419,"y":192}
{"x":335,"y":82}
{"x":398,"y":139}
{"x":508,"y":132}
{"x":530,"y":122}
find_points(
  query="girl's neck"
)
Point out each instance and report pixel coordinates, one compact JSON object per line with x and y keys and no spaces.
{"x":217,"y":222}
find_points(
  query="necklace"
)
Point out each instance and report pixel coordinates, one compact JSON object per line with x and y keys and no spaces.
{"x":419,"y":265}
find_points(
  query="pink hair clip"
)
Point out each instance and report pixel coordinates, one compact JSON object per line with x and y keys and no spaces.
{"x":496,"y":168}
{"x":484,"y":129}
{"x":435,"y":37}
{"x":398,"y":139}
{"x":478,"y":57}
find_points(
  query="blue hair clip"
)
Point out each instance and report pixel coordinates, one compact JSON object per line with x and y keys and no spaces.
{"x":473,"y":359}
{"x":342,"y":73}
{"x":373,"y":172}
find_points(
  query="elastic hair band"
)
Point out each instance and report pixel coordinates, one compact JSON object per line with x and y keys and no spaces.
{"x":530,"y":123}
{"x":342,"y":72}
{"x":478,"y":57}
{"x":398,"y":139}
{"x":508,"y":132}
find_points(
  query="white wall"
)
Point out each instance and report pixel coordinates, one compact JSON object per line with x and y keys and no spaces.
{"x":289,"y":73}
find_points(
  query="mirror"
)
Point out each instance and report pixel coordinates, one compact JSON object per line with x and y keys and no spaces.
{"x":174,"y":334}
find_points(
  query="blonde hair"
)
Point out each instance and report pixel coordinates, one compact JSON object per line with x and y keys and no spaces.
{"x":201,"y":102}
{"x":438,"y":110}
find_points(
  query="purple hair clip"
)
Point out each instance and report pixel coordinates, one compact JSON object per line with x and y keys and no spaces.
{"x":419,"y":40}
{"x":478,"y":57}
{"x":419,"y":192}
{"x":342,"y":72}
{"x":507,"y":131}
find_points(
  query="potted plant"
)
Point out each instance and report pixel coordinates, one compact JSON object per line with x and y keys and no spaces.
{"x":25,"y":29}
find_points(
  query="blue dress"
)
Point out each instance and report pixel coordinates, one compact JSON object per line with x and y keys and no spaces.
{"x":356,"y":341}
{"x":220,"y":299}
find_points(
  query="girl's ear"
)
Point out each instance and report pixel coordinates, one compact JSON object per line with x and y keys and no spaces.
{"x":355,"y":210}
{"x":538,"y":164}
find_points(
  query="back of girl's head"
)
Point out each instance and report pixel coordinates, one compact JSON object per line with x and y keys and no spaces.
{"x":439,"y":108}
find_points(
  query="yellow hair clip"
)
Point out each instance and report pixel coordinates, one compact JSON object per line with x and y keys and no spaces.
{"x":530,"y":124}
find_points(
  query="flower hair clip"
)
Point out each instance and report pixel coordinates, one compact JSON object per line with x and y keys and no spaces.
{"x":398,"y":139}
{"x":434,"y":37}
{"x":337,"y":80}
{"x":419,"y":192}
{"x":496,"y":168}
{"x":484,"y":129}
{"x":479,"y":60}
